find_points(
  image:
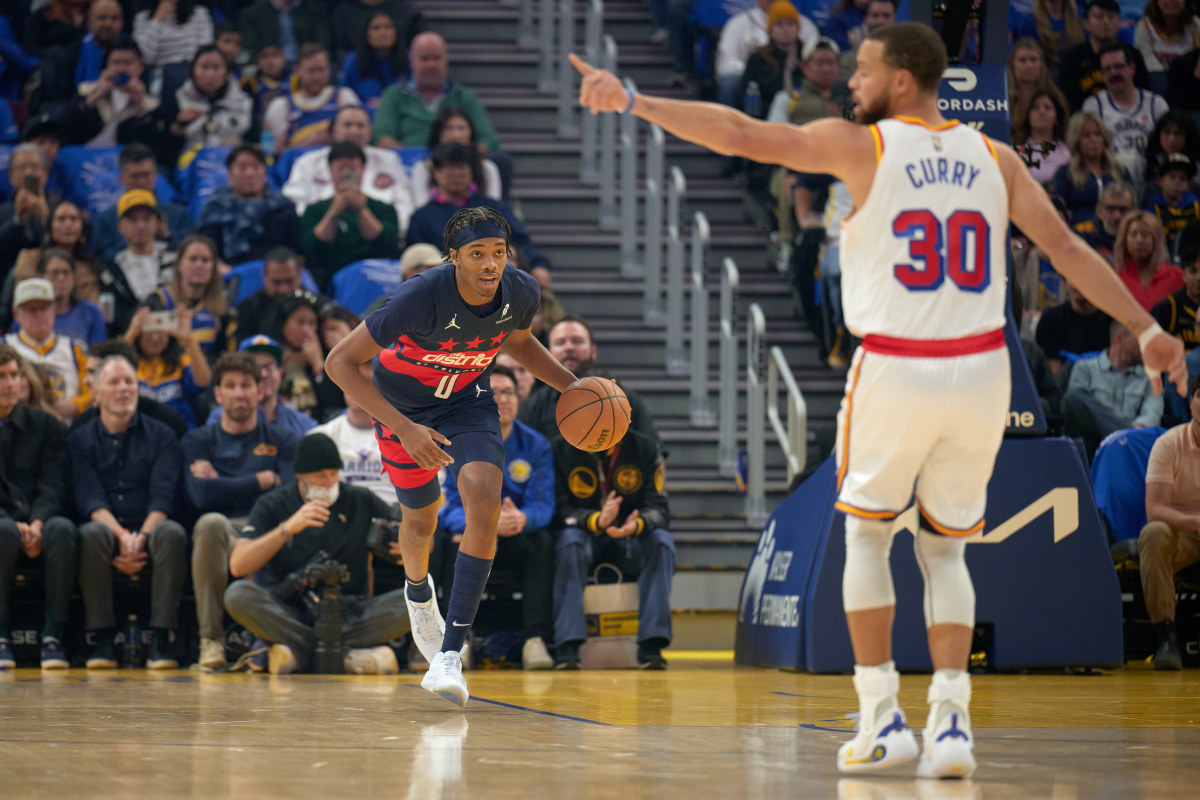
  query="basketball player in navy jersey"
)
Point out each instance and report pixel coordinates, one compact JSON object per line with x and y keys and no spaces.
{"x":432,"y":345}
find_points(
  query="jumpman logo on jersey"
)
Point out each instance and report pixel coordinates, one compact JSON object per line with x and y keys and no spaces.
{"x":453,"y":324}
{"x":479,"y":390}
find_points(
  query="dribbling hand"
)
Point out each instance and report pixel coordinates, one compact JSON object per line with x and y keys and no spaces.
{"x":1164,"y":353}
{"x":421,"y":443}
{"x":599,"y":90}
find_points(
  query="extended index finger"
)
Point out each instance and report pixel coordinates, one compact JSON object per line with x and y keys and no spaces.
{"x":581,"y":65}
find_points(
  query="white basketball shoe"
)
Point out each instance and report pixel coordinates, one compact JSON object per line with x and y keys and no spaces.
{"x":444,"y":677}
{"x":428,"y":627}
{"x":949,"y":747}
{"x":883,"y":739}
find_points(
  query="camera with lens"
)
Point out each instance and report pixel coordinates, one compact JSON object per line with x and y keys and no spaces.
{"x":383,"y":532}
{"x":323,"y":574}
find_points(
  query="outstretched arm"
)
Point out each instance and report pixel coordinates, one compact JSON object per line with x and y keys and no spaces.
{"x":829,"y":146}
{"x":533,"y":356}
{"x":1030,"y":210}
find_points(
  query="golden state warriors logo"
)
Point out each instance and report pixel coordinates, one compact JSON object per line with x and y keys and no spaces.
{"x":582,"y":482}
{"x":660,"y":478}
{"x":57,"y":382}
{"x":519,"y":470}
{"x":627,"y":479}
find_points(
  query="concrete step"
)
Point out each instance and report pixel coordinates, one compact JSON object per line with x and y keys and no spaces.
{"x":487,"y":64}
{"x":541,"y":153}
{"x":566,"y":200}
{"x":461,"y":22}
{"x":624,"y":299}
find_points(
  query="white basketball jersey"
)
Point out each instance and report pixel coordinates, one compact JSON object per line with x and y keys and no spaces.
{"x":924,"y":257}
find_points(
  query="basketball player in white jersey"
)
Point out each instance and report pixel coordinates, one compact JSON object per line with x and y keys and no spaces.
{"x":923,"y":282}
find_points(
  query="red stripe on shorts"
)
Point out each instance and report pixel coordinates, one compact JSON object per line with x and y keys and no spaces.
{"x":401,"y":470}
{"x":934,"y":348}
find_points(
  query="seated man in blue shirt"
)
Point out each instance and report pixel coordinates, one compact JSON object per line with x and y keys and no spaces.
{"x":268,"y":355}
{"x":125,"y":471}
{"x":138,"y":169}
{"x":452,"y":174}
{"x":230,"y":463}
{"x":526,"y":508}
{"x":1110,"y":392}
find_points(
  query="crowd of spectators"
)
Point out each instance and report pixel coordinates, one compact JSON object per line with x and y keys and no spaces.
{"x":201,"y":200}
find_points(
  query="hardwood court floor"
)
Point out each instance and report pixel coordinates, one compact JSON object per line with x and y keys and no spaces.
{"x":701,"y":729}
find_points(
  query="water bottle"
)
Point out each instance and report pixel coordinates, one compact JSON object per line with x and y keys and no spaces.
{"x":133,"y":643}
{"x":752,"y":104}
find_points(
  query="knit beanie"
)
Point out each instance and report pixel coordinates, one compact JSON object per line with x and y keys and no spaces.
{"x":782,"y":9}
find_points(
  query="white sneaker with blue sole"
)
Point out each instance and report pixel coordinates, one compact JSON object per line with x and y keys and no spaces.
{"x":949,"y":746}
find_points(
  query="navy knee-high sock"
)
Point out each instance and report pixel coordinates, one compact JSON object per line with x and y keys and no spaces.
{"x":470,"y":578}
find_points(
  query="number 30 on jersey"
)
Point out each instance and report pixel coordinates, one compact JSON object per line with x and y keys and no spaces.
{"x":957,"y":249}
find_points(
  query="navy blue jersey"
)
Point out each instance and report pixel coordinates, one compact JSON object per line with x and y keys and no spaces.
{"x":437,"y":350}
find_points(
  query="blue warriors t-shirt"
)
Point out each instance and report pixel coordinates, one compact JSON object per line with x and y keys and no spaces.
{"x":437,"y":350}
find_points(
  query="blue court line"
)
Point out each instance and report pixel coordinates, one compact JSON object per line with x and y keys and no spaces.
{"x":818,"y":696}
{"x":544,"y":713}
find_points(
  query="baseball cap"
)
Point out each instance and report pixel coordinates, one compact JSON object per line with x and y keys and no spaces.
{"x":823,"y":42}
{"x":32,"y":289}
{"x":40,"y":124}
{"x":135,"y":198}
{"x":1178,"y":161}
{"x":1108,"y":5}
{"x":421,"y":254}
{"x":263,"y":344}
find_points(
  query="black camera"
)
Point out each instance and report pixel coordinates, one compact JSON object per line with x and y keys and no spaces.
{"x":383,"y":532}
{"x":325,"y":575}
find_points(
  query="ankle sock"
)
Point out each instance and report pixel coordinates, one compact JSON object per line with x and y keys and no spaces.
{"x":470,"y":578}
{"x":419,"y":591}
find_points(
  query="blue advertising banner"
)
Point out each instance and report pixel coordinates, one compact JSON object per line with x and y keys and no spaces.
{"x":1043,"y":576}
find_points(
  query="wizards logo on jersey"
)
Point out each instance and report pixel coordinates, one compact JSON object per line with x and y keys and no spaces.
{"x":447,"y":369}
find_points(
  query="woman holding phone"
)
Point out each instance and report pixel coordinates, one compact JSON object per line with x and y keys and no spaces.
{"x":349,"y":226}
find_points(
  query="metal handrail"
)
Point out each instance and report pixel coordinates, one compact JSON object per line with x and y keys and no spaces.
{"x":526,"y":37}
{"x":677,"y":364}
{"x":588,"y":152}
{"x":700,"y":413}
{"x":630,"y":267}
{"x":793,"y":436}
{"x":756,"y":479}
{"x":546,"y":83}
{"x":728,"y":371}
{"x":652,"y":312}
{"x":568,"y":125}
{"x":608,"y":152}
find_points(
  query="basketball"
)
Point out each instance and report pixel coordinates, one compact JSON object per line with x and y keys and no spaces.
{"x":593,"y":414}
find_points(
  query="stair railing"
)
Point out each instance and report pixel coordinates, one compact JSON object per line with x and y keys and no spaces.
{"x":630,"y":266}
{"x":701,"y":414}
{"x":793,"y":436}
{"x":546,"y":83}
{"x":652,"y":311}
{"x":677,"y":363}
{"x":568,"y":125}
{"x":526,"y":37}
{"x":756,"y":478}
{"x":609,"y":221}
{"x":728,"y":374}
{"x":589,"y":153}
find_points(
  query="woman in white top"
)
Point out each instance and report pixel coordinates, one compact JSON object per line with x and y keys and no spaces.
{"x":452,"y":125}
{"x":213,"y":110}
{"x":1169,"y":29}
{"x":173,"y":32}
{"x":1042,"y":131}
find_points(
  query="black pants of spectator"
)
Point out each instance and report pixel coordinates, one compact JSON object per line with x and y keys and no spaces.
{"x":803,"y":269}
{"x":167,"y":549}
{"x":1089,"y":419}
{"x":367,"y":621}
{"x":531,"y":556}
{"x":60,"y":554}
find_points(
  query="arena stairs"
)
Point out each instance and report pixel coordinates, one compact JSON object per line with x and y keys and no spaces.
{"x":708,"y":520}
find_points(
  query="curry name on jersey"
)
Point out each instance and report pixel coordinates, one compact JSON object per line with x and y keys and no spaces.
{"x":437,"y":350}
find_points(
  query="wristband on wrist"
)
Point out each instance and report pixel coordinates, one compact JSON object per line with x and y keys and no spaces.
{"x":1145,"y":336}
{"x":632,"y":97}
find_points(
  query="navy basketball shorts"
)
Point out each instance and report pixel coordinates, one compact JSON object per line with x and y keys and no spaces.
{"x":474,"y":435}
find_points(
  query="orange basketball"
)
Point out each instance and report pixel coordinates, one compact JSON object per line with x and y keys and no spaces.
{"x":593,"y":414}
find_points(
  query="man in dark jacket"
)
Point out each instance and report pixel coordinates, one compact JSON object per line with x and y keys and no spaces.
{"x":267,"y":21}
{"x":125,"y":471}
{"x":613,"y":510}
{"x":229,"y":464}
{"x":33,"y":453}
{"x":1079,"y":74}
